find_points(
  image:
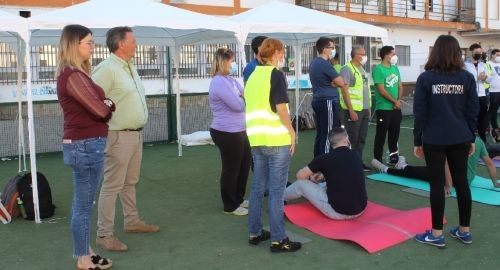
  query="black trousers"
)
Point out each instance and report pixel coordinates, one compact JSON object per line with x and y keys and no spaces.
{"x":388,"y":122}
{"x":494,"y":105}
{"x":417,"y":172}
{"x":236,"y":157}
{"x":326,"y":117}
{"x":483,"y":119}
{"x":435,"y":157}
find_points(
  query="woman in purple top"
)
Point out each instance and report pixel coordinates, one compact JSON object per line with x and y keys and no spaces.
{"x":229,"y":133}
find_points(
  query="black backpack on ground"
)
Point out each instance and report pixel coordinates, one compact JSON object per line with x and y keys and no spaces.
{"x":44,"y":196}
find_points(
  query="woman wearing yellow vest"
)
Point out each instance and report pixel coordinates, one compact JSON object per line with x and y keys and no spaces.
{"x":272,"y":140}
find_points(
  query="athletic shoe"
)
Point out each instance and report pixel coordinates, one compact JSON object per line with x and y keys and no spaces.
{"x":379,"y":166}
{"x":393,"y":159}
{"x":428,"y":238}
{"x":285,"y":245}
{"x":366,"y":168}
{"x":255,"y":240}
{"x":240,"y":211}
{"x":401,"y":163}
{"x":245,"y":204}
{"x":465,"y":237}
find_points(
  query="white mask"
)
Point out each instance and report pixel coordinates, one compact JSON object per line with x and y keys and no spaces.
{"x":497,"y":59}
{"x":281,"y":63}
{"x":234,"y":68}
{"x":463,"y":57}
{"x":333,"y":53}
{"x":364,"y":58}
{"x":394,"y":59}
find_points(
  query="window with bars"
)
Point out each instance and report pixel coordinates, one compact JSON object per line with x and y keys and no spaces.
{"x":403,"y":53}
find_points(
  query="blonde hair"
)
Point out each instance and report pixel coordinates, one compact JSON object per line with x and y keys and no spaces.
{"x":268,"y":48}
{"x":68,"y":55}
{"x":222,"y":55}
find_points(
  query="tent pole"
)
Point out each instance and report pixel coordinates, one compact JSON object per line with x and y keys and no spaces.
{"x":298,"y":73}
{"x":177,"y":98}
{"x":20,"y":131}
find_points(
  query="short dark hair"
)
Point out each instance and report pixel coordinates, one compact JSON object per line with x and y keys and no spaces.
{"x":494,"y":51}
{"x":385,"y":51}
{"x":322,"y":43}
{"x":445,"y":56}
{"x":474,"y":46}
{"x":256,"y":42}
{"x":115,"y":35}
{"x":336,"y":134}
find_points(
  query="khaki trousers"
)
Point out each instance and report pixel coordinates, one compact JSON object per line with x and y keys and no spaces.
{"x":122,"y":167}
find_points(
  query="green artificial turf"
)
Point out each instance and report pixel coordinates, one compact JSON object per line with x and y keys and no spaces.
{"x":181,"y":195}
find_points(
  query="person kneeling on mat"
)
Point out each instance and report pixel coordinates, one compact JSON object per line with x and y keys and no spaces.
{"x":345,"y":194}
{"x":420,"y":172}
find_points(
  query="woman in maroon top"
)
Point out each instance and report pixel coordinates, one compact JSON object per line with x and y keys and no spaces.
{"x":86,"y":111}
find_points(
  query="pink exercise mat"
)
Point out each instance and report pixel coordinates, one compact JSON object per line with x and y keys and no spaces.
{"x":379,"y":227}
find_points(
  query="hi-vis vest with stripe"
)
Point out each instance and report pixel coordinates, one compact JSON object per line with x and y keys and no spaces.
{"x":356,"y":91}
{"x":264,"y":127}
{"x":488,"y":73}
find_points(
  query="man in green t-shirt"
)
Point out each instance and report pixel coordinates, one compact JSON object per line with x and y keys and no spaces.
{"x":388,"y":93}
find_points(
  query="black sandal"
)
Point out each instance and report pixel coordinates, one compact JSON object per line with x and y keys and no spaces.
{"x":100,"y":262}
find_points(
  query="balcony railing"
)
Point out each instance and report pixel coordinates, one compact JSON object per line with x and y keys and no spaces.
{"x":417,"y":9}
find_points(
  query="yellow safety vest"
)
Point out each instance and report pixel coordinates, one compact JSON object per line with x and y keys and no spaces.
{"x":264,"y":127}
{"x":488,"y":72}
{"x":356,"y":91}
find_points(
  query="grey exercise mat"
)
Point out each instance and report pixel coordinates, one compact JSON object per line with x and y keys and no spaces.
{"x":293,"y":236}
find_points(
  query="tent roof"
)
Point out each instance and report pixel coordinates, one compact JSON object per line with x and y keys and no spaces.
{"x":153,"y":23}
{"x":295,"y":24}
{"x":11,"y":27}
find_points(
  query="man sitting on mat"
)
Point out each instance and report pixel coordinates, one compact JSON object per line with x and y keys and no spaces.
{"x":420,"y":172}
{"x":345,"y":195}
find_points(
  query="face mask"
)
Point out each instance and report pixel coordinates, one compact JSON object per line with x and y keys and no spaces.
{"x":476,"y":56}
{"x":394,"y":59}
{"x":281,"y":63}
{"x":497,"y":59}
{"x":333,"y":53}
{"x":234,"y":68}
{"x":364,"y":59}
{"x":463,"y":57}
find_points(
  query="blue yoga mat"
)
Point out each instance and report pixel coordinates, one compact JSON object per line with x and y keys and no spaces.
{"x":496,"y":162}
{"x":482,"y":189}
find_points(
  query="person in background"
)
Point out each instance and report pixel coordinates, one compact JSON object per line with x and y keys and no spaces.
{"x":272,"y":140}
{"x":324,"y":81}
{"x":250,"y":67}
{"x":355,"y":101}
{"x":120,"y":81}
{"x":388,"y":94}
{"x":336,"y":62}
{"x":345,"y":195}
{"x":86,"y":112}
{"x":494,"y":80}
{"x":228,"y":132}
{"x":445,"y":108}
{"x":477,"y":68}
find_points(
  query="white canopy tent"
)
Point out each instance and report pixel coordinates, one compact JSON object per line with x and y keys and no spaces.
{"x":14,"y":31}
{"x":296,"y":25}
{"x":153,"y":24}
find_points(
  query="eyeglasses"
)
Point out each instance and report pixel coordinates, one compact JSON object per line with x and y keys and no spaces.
{"x":90,"y":43}
{"x":330,"y":47}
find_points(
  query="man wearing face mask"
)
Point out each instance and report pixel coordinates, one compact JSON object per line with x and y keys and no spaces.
{"x":324,"y":81}
{"x":345,"y":195}
{"x":478,"y":69}
{"x":494,"y":79}
{"x":389,"y":90}
{"x":355,"y":101}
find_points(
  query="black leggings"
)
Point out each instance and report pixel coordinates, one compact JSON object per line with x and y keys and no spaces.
{"x":435,"y":157}
{"x":388,"y":121}
{"x":235,"y":155}
{"x":417,"y":172}
{"x":483,"y":118}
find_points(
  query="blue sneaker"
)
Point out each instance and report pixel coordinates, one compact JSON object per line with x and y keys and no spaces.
{"x":465,"y":237}
{"x":428,"y":238}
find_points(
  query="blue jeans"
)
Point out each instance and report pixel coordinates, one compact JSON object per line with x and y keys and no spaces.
{"x":270,"y":173}
{"x":86,"y":158}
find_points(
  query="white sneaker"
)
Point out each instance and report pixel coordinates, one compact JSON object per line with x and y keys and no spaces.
{"x":379,"y":166}
{"x":401,"y":163}
{"x":240,"y":211}
{"x":245,"y":204}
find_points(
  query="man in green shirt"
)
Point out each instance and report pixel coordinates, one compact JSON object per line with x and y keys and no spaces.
{"x":120,"y":81}
{"x":388,"y":93}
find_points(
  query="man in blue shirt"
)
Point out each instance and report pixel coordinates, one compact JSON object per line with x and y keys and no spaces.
{"x":325,"y":103}
{"x":250,"y":67}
